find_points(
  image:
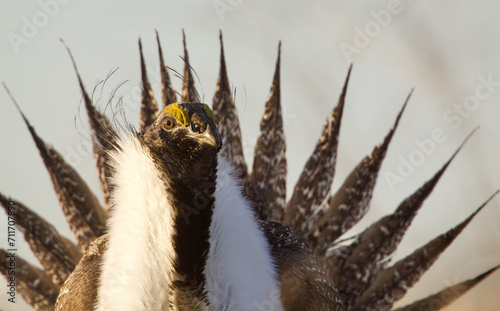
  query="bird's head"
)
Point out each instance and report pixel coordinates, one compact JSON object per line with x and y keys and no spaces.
{"x":185,"y":140}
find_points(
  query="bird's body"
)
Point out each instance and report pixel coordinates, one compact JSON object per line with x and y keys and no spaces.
{"x":181,"y":235}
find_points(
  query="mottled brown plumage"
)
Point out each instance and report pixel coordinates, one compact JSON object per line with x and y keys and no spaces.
{"x":305,"y":284}
{"x":356,"y":265}
{"x":392,"y":283}
{"x":79,"y":292}
{"x":266,"y":184}
{"x":350,"y":203}
{"x":168,"y":94}
{"x":226,"y":118}
{"x":57,"y":255}
{"x":316,"y":179}
{"x":149,"y":107}
{"x":446,"y":296}
{"x":80,"y":206}
{"x":103,"y":137}
{"x":33,"y":284}
{"x":188,"y":93}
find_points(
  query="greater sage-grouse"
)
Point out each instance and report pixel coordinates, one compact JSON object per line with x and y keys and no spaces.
{"x":188,"y":226}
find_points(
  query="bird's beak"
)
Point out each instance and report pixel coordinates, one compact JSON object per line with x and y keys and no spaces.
{"x":211,"y":137}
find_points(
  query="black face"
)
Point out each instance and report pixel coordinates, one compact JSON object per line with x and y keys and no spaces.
{"x":185,"y":140}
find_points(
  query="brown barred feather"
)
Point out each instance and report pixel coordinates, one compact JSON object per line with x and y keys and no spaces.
{"x":392,"y":283}
{"x":168,"y":94}
{"x":226,"y":118}
{"x":149,"y":107}
{"x":446,"y":296}
{"x":32,"y":284}
{"x":57,"y":255}
{"x":316,"y":179}
{"x":189,"y":93}
{"x":356,"y":265}
{"x":83,"y":211}
{"x":103,"y":138}
{"x":350,"y":202}
{"x":267,"y":182}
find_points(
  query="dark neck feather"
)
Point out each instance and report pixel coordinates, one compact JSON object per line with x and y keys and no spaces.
{"x":194,"y":214}
{"x":192,"y":196}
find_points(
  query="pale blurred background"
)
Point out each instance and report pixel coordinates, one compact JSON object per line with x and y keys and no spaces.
{"x":442,"y":49}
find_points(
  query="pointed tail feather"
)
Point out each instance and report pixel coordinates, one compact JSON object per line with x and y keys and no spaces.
{"x":226,"y":118}
{"x":31,"y":283}
{"x":266,"y":185}
{"x":83,"y":212}
{"x":446,"y":296}
{"x":315,"y":181}
{"x":104,"y":138}
{"x":149,"y":107}
{"x":392,"y":283}
{"x":189,"y":94}
{"x":344,"y":209}
{"x":355,"y":266}
{"x":57,"y":255}
{"x":169,"y":96}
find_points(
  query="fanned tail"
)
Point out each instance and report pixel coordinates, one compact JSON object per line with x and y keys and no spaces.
{"x":359,"y":270}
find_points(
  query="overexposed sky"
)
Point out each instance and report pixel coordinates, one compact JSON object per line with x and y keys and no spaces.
{"x":447,"y":50}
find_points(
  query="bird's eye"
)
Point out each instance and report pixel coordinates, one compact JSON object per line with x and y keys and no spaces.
{"x":196,"y":127}
{"x":169,"y":123}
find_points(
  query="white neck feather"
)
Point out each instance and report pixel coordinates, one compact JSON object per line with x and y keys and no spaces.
{"x":137,"y":267}
{"x":240,"y":274}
